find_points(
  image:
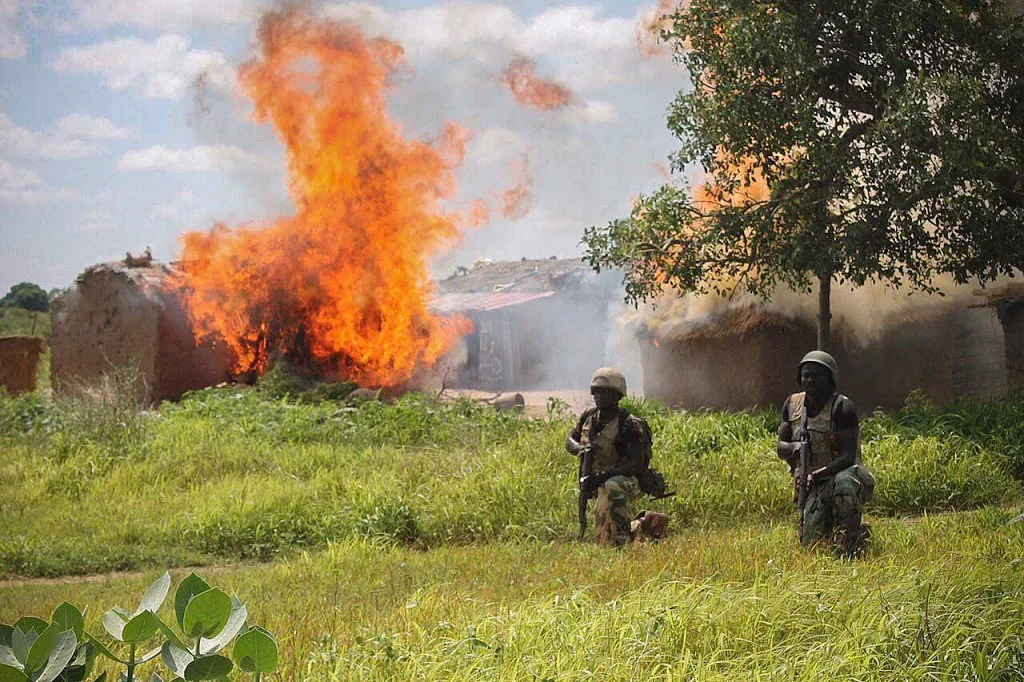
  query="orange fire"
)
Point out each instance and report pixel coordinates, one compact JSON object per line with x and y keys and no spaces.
{"x":648,"y":29}
{"x":342,"y":286}
{"x":531,"y":90}
{"x":517,"y":199}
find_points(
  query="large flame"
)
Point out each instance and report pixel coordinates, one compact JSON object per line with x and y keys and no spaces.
{"x":531,"y":89}
{"x":342,"y":286}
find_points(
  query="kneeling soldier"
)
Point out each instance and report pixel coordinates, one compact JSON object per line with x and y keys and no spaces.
{"x":837,"y":484}
{"x":615,"y":441}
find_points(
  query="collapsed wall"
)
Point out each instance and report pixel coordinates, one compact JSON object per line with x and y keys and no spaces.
{"x":116,"y":317}
{"x":19,"y":362}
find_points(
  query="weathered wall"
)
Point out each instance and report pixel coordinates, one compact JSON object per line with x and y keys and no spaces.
{"x":945,"y":356}
{"x":19,"y":362}
{"x":102,"y":323}
{"x":115,"y":317}
{"x":1011,"y":315}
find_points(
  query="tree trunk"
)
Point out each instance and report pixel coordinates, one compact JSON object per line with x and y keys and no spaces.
{"x":824,"y":309}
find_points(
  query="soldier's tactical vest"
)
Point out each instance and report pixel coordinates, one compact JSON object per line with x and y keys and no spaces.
{"x":824,"y":443}
{"x":606,"y":456}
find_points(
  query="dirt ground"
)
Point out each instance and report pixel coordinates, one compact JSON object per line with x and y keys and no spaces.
{"x":536,"y":401}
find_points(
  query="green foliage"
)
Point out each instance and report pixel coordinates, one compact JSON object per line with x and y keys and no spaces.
{"x":27,"y":296}
{"x":282,"y":382}
{"x":888,"y":134}
{"x":35,"y":650}
{"x":235,"y":475}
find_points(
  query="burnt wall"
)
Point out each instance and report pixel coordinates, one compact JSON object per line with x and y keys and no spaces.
{"x":19,"y":362}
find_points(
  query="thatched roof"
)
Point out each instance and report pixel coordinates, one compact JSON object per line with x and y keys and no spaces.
{"x":728,"y":323}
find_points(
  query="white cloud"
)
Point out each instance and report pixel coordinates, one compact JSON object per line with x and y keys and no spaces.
{"x":21,"y":185}
{"x":495,"y":145}
{"x":12,"y":44}
{"x":201,"y":159}
{"x":164,"y":14}
{"x":76,"y":136}
{"x":86,"y":127}
{"x":97,"y":220}
{"x":165,"y":67}
{"x":593,"y":111}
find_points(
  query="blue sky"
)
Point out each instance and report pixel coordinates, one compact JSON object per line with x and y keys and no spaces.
{"x":104,"y":149}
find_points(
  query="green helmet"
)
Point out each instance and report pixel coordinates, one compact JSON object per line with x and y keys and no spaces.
{"x":609,"y":377}
{"x":820,"y":357}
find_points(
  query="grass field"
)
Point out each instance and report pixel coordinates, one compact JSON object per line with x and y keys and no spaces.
{"x":432,"y":540}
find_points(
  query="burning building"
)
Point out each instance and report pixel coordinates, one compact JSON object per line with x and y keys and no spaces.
{"x":739,"y":357}
{"x":1008,"y":302}
{"x":536,"y":323}
{"x":118,"y":315}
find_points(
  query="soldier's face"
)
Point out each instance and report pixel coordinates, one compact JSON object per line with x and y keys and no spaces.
{"x":605,"y":397}
{"x":815,"y":379}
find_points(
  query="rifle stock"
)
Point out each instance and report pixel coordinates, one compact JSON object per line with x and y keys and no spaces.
{"x":805,"y":456}
{"x":586,"y":469}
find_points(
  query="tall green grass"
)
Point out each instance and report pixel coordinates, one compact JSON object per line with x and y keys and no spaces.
{"x":96,"y":484}
{"x":937,"y":598}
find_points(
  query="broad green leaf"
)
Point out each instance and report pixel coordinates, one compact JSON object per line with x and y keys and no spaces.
{"x":114,"y":623}
{"x":68,"y":617}
{"x":256,"y":651}
{"x":29,"y":624}
{"x":208,"y":668}
{"x":235,"y":624}
{"x":6,"y":632}
{"x":41,"y":649}
{"x":7,"y":656}
{"x":104,"y":650}
{"x":155,"y":595}
{"x":155,"y":678}
{"x":62,"y":653}
{"x":175,"y":658}
{"x":207,"y":613}
{"x":140,"y":627}
{"x":11,"y":674}
{"x":149,"y":655}
{"x":187,"y":588}
{"x":171,"y":635}
{"x":101,"y":678}
{"x":21,"y":644}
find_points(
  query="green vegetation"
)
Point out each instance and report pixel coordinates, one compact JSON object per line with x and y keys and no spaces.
{"x":230,"y":475}
{"x":27,"y":296}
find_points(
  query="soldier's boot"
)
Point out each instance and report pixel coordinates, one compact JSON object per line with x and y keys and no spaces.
{"x":849,"y":536}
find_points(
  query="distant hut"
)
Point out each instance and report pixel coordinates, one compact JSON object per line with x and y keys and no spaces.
{"x":745,"y":356}
{"x":19,"y":362}
{"x":121,"y":315}
{"x":536,"y":323}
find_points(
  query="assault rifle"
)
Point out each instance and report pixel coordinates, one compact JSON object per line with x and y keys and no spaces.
{"x":805,"y":461}
{"x":586,"y":469}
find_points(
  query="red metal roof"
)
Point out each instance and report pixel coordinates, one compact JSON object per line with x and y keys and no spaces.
{"x":484,"y":301}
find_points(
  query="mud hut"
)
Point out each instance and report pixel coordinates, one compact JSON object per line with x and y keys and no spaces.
{"x":19,"y":362}
{"x":536,"y":323}
{"x":739,"y":358}
{"x":120,"y":315}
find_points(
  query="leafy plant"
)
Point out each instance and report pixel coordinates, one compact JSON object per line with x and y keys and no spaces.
{"x":33,"y":650}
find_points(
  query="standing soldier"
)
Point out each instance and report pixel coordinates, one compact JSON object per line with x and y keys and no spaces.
{"x":616,"y":442}
{"x":838,"y":484}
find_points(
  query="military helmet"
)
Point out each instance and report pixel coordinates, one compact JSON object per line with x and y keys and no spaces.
{"x":609,"y":377}
{"x":820,"y":357}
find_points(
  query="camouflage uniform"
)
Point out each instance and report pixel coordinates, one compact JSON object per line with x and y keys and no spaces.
{"x":838,"y":501}
{"x":612,"y":514}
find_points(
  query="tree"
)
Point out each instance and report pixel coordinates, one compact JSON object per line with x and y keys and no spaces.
{"x":888,"y":134}
{"x":28,"y":296}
